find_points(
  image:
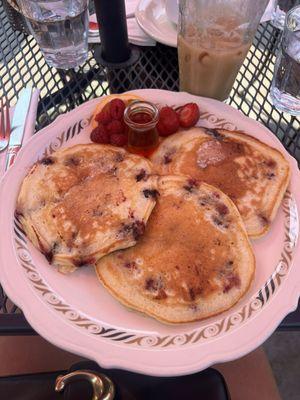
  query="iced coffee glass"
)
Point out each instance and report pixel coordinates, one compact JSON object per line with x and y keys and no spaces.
{"x":213,"y":39}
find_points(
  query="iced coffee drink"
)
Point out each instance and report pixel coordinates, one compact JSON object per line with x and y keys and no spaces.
{"x":213,"y":40}
{"x":210,"y":71}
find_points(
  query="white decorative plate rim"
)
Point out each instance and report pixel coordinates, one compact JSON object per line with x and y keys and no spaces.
{"x":118,"y":360}
{"x":132,"y":337}
{"x":142,"y":21}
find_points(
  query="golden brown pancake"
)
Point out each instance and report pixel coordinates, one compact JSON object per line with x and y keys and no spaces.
{"x":254,"y":175}
{"x":193,"y":261}
{"x":84,"y":202}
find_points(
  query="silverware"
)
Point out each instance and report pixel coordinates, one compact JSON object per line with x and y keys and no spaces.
{"x":4,"y":124}
{"x":18,"y":126}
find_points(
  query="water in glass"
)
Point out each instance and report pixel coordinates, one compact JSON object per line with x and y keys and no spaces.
{"x":285,"y":90}
{"x":61,"y":29}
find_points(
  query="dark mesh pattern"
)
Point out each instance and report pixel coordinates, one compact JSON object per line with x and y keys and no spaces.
{"x":250,"y":93}
{"x":22,"y":63}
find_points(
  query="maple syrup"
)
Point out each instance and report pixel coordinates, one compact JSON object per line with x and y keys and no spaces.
{"x":141,"y":118}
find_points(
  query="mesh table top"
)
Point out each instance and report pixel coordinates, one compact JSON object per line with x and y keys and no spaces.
{"x":22,"y":64}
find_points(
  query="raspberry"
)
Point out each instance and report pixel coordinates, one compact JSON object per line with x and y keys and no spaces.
{"x":104,"y":115}
{"x":125,"y":129}
{"x":188,"y":115}
{"x":117,"y":107}
{"x":100,"y":135}
{"x":118,"y":140}
{"x":115,"y":127}
{"x":168,"y":122}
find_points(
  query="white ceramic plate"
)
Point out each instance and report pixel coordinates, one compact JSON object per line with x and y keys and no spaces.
{"x":158,"y":19}
{"x":77,"y":314}
{"x":152,"y":18}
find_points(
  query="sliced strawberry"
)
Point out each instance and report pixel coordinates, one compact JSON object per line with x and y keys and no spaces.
{"x":188,"y":115}
{"x":115,"y":127}
{"x":100,"y":135}
{"x":118,"y":140}
{"x":168,"y":122}
{"x":104,"y":115}
{"x":117,"y":107}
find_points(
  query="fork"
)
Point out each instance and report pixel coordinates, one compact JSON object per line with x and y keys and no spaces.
{"x":4,"y":125}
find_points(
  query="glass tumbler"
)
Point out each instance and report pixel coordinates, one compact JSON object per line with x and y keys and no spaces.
{"x":60,"y":27}
{"x":281,"y":7}
{"x":285,"y":89}
{"x":213,"y":39}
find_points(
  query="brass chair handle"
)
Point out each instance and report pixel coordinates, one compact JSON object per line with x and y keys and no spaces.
{"x":103,"y":386}
{"x":14,"y":5}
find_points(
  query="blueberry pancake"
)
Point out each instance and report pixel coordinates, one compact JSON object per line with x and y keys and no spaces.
{"x":84,"y":202}
{"x":254,"y":175}
{"x":193,"y":261}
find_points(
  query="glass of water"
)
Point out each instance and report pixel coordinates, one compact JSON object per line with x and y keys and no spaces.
{"x":281,"y":7}
{"x":285,"y":89}
{"x":60,"y":27}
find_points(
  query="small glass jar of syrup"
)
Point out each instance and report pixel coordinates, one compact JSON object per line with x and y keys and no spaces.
{"x":141,"y":118}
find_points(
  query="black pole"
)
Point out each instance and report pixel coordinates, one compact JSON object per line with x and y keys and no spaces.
{"x":111,"y":17}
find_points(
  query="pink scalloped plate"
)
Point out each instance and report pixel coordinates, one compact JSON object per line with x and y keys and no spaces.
{"x":76,"y":313}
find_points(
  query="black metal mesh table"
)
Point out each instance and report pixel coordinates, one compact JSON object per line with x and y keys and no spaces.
{"x":22,"y":63}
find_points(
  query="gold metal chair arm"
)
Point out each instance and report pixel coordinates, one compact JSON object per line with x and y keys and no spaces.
{"x":14,"y":5}
{"x":103,"y":387}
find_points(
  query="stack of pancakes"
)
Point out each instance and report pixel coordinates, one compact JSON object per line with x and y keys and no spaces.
{"x":169,"y":238}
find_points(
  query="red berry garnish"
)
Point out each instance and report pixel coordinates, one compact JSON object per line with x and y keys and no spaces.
{"x":188,"y":115}
{"x":100,"y":135}
{"x":118,"y":140}
{"x":125,"y":129}
{"x":168,"y":122}
{"x":117,"y":107}
{"x":115,"y":127}
{"x":104,"y":115}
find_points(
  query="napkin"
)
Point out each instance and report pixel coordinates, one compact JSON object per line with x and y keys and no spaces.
{"x":29,"y":125}
{"x":267,"y":16}
{"x":130,"y":6}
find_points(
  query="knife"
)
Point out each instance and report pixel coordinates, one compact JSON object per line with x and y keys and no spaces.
{"x":18,"y":126}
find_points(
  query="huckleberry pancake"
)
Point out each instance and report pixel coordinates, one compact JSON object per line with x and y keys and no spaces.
{"x":193,"y":261}
{"x":84,"y":202}
{"x":254,"y":175}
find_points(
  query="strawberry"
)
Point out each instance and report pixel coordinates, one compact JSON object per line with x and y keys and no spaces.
{"x":118,"y":140}
{"x":100,"y":135}
{"x":168,"y":121}
{"x":188,"y":115}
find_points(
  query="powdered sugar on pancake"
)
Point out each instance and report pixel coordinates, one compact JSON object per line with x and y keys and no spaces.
{"x":210,"y":152}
